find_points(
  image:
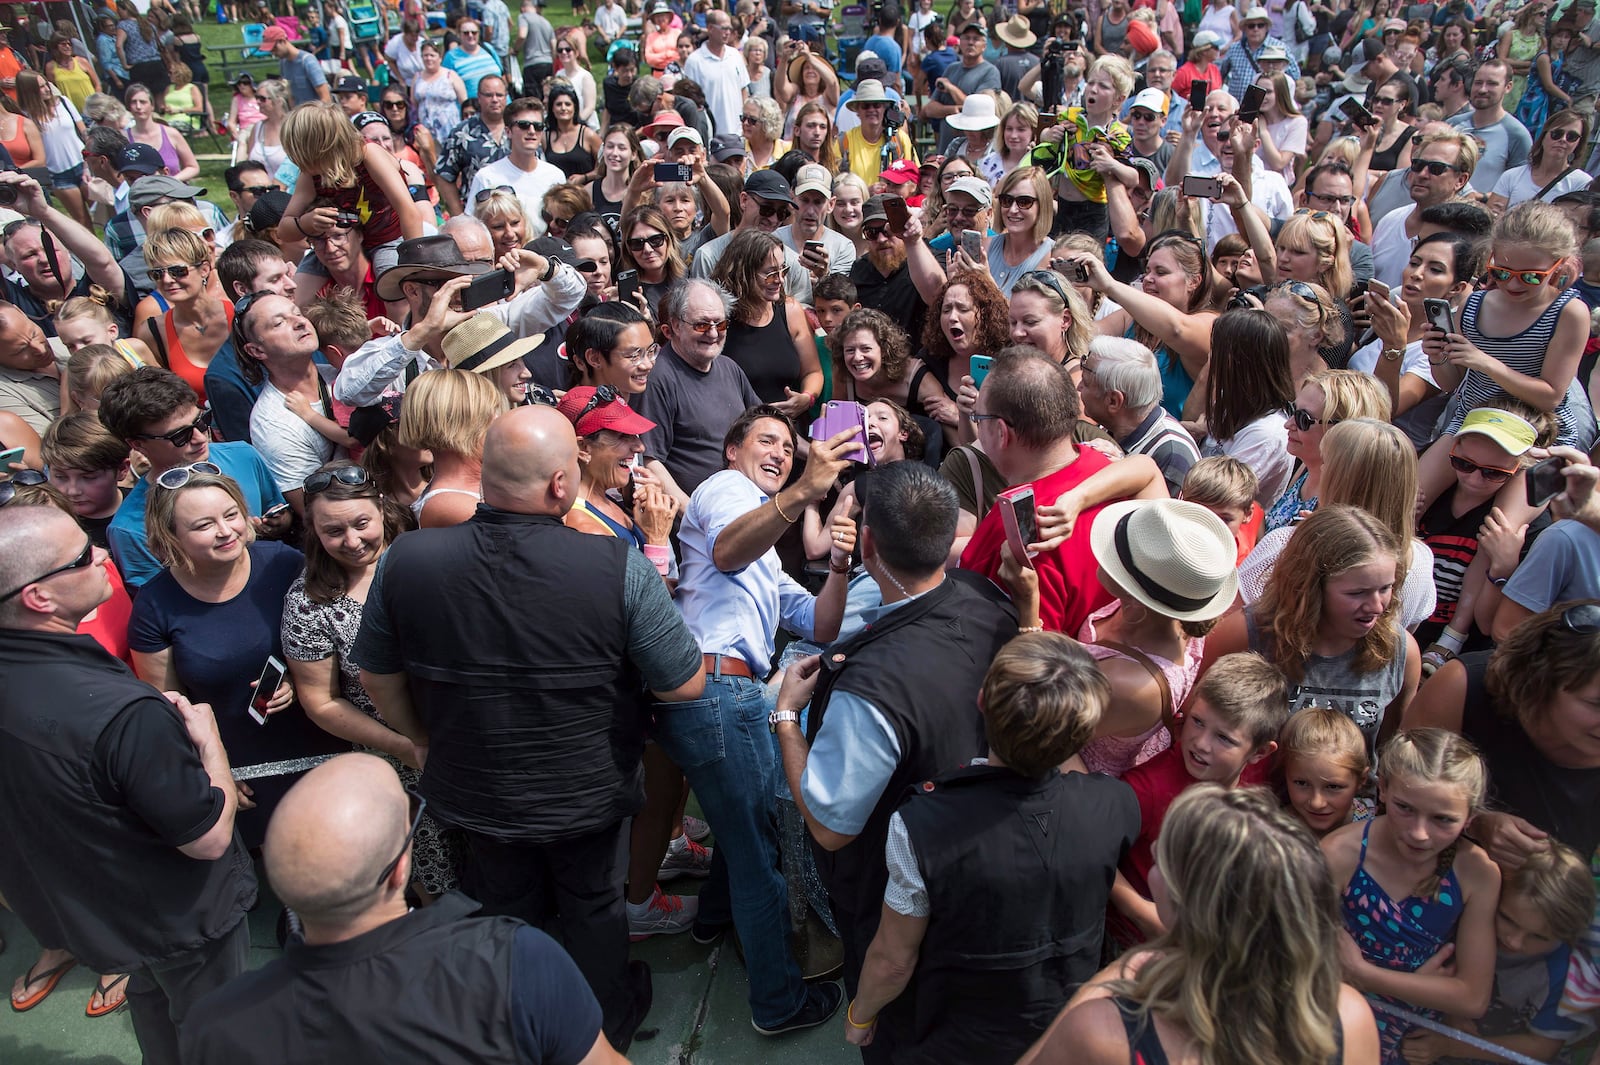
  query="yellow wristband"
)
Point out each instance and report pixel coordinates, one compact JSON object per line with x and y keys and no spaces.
{"x":852,"y":1022}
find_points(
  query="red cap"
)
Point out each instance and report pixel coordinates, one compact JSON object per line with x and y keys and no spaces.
{"x":274,"y":33}
{"x":608,"y":413}
{"x":900,"y":172}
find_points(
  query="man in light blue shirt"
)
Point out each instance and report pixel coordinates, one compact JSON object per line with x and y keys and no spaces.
{"x":470,"y":58}
{"x":734,"y":594}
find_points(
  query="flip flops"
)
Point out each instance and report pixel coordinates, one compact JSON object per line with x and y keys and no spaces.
{"x":103,"y":990}
{"x":50,"y":978}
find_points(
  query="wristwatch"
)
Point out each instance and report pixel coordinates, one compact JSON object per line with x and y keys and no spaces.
{"x":1393,"y":354}
{"x":549,"y":269}
{"x":777,"y":717}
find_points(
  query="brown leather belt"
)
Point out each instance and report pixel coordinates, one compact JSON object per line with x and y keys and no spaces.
{"x":726,"y":665}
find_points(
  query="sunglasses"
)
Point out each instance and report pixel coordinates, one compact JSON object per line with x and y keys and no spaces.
{"x":1527,"y":277}
{"x":1139,"y":114}
{"x":874,"y":232}
{"x":484,"y":194}
{"x":28,"y":478}
{"x":1049,"y":279}
{"x":1008,"y":201}
{"x":1304,"y":420}
{"x":1387,"y":101}
{"x":780,"y":211}
{"x":1566,"y":136}
{"x":749,"y":120}
{"x":565,"y":51}
{"x":654,"y":240}
{"x":182,"y":437}
{"x":1581,"y":620}
{"x":552,"y":221}
{"x":179,"y":476}
{"x":178,"y":272}
{"x":526,"y":124}
{"x":707,"y":328}
{"x":1432,"y":166}
{"x":603,"y":396}
{"x":349,"y":476}
{"x":80,"y":561}
{"x":418,"y":805}
{"x":1319,"y":216}
{"x":393,"y":105}
{"x":257,"y":190}
{"x":952,"y":210}
{"x":1488,"y":473}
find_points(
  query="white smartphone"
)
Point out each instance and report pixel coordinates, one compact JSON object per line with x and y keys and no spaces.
{"x":1020,"y":521}
{"x":272,"y":675}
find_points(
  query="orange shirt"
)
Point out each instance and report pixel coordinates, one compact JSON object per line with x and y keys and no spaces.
{"x":10,"y":65}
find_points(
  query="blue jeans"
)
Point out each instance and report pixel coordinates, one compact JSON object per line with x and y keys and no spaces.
{"x":724,"y":747}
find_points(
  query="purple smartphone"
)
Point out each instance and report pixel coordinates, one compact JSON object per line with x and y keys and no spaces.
{"x":839,"y":415}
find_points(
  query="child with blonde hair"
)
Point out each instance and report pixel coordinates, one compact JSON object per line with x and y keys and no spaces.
{"x":1324,"y":761}
{"x":1227,"y":487}
{"x":82,"y":321}
{"x":1417,"y":897}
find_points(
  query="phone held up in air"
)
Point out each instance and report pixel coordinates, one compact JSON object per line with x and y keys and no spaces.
{"x":897,"y":214}
{"x":1357,"y":112}
{"x":1199,"y":187}
{"x":669,"y":172}
{"x":1439,"y":315}
{"x":1545,"y":480}
{"x":1250,"y":103}
{"x":1020,"y":521}
{"x":272,"y":675}
{"x":488,"y":288}
{"x":627,"y":285}
{"x":9,"y":456}
{"x":972,"y":244}
{"x":1198,"y":89}
{"x":979,"y":368}
{"x":839,"y":415}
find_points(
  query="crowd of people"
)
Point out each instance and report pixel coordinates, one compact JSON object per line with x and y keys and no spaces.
{"x":1095,"y":505}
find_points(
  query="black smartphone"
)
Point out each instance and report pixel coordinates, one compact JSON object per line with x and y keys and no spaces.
{"x":1202,"y":188}
{"x":1198,"y":90}
{"x":1250,"y":104}
{"x":272,"y":675}
{"x":667,"y":172}
{"x":1439,"y":316}
{"x":897,"y":214}
{"x":818,"y":249}
{"x":489,"y":288}
{"x":627,"y":285}
{"x":1357,"y":112}
{"x":1546,"y":481}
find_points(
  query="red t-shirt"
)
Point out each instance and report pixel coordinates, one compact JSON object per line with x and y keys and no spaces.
{"x":1069,"y":588}
{"x":1187,"y":74}
{"x":109,"y":626}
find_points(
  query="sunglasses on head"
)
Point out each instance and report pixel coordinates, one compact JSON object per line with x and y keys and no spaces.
{"x":1527,"y":277}
{"x":603,"y":396}
{"x":79,"y":561}
{"x":1582,"y":619}
{"x":484,"y":194}
{"x":1433,"y":166}
{"x":179,"y":476}
{"x":1304,"y":420}
{"x":12,"y":228}
{"x":654,"y":240}
{"x":349,"y":476}
{"x":182,"y":437}
{"x":178,"y":272}
{"x":1049,"y":279}
{"x":29,"y":478}
{"x":1488,"y":473}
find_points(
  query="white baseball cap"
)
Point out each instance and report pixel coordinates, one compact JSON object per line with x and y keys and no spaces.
{"x":684,"y":133}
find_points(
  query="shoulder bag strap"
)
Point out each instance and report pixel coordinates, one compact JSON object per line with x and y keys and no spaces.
{"x":1553,"y":182}
{"x":1168,"y":711}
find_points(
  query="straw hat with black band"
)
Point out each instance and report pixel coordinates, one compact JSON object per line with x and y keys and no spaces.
{"x":482,"y":344}
{"x":1173,"y":557}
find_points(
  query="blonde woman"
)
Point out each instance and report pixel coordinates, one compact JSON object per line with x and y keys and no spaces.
{"x":196,"y":329}
{"x":162,"y":218}
{"x":802,"y":78}
{"x":1248,"y":970}
{"x":1311,"y":318}
{"x":761,"y":122}
{"x":1025,"y":209}
{"x":502,"y":212}
{"x":1013,"y":138}
{"x":1282,"y":130}
{"x":266,"y":145}
{"x":849,"y":197}
{"x":1314,"y":247}
{"x":448,"y":412}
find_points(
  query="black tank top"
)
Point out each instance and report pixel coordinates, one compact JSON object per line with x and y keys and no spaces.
{"x":1388,"y":157}
{"x":1144,"y":1045}
{"x":579,"y":160}
{"x":766,"y":354}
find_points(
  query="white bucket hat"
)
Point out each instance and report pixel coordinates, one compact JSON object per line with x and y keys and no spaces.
{"x":1174,"y":557}
{"x":977,"y":113}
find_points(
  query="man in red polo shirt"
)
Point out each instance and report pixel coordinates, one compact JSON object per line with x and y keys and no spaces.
{"x":1024,"y":418}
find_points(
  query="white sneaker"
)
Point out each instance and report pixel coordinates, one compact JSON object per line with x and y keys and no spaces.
{"x":663,"y":915}
{"x":685,"y":857}
{"x":695,"y":828}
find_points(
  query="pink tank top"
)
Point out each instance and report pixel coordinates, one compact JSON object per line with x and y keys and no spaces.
{"x":1115,"y":755}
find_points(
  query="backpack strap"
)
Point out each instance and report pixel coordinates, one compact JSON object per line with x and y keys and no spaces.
{"x":1168,"y":711}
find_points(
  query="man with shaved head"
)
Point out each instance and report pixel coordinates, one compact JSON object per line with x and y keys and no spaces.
{"x":519,"y":656}
{"x":99,"y":771}
{"x":373,"y":980}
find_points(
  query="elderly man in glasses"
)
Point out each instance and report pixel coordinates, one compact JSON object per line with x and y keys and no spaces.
{"x":338,"y":853}
{"x":479,"y":140}
{"x":159,"y":416}
{"x":137,"y":784}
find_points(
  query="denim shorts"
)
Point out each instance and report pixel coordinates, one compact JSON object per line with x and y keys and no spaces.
{"x":67,"y":179}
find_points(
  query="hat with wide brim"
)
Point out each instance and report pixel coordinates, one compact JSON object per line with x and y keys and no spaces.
{"x":1174,"y":557}
{"x":1015,"y":32}
{"x":482,"y":344}
{"x":977,"y":113}
{"x":436,"y":258}
{"x":868,"y":91}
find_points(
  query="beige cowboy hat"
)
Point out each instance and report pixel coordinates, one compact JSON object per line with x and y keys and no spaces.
{"x":1015,"y":32}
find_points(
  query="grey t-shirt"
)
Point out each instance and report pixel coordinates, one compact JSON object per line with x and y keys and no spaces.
{"x":692,"y":412}
{"x":1333,"y":682}
{"x":969,"y":80}
{"x":1505,"y":145}
{"x":304,"y":74}
{"x":539,"y":47}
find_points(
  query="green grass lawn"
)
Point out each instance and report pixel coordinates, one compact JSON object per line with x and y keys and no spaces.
{"x":214,"y":159}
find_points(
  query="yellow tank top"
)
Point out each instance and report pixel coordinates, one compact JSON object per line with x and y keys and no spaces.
{"x":74,"y":85}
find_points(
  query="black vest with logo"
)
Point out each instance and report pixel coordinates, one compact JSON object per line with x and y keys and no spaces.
{"x":514,"y":634}
{"x":432,"y":986}
{"x":85,"y":874}
{"x":1018,"y":874}
{"x":920,"y":666}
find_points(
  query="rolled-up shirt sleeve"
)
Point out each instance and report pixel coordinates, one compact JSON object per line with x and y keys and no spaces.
{"x":545,"y":305}
{"x":372,"y":368}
